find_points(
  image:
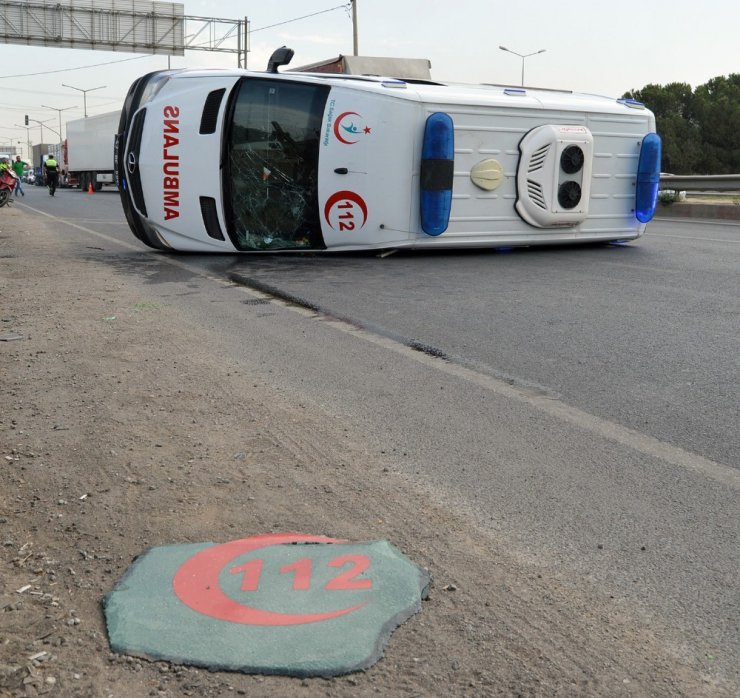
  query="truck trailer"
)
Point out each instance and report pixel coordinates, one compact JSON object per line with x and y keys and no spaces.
{"x":402,"y":68}
{"x":39,"y":153}
{"x":88,"y":156}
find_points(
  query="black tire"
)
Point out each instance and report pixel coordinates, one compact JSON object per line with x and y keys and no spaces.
{"x":4,"y":197}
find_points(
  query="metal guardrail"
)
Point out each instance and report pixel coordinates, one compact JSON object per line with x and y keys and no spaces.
{"x":701,"y":182}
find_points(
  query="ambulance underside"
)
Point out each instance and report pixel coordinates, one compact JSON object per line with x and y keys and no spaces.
{"x":529,"y":179}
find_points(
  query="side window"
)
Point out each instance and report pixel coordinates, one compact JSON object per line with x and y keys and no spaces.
{"x":272,"y":164}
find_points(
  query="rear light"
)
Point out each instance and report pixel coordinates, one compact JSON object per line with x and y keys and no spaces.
{"x":648,"y":178}
{"x":437,"y":173}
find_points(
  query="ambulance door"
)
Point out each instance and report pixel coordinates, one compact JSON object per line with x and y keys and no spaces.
{"x":365,"y":170}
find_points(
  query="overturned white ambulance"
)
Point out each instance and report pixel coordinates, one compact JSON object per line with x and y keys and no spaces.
{"x":230,"y":160}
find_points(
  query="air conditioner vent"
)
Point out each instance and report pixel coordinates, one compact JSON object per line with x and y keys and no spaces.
{"x":210,"y":217}
{"x":209,"y":117}
{"x":536,"y":194}
{"x":572,"y":159}
{"x":569,"y":194}
{"x":537,"y":161}
{"x":132,"y":161}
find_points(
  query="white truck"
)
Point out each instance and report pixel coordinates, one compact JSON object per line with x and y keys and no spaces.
{"x":89,"y":151}
{"x":230,"y":160}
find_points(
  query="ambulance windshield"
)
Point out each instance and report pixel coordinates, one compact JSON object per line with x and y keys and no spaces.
{"x":270,"y":168}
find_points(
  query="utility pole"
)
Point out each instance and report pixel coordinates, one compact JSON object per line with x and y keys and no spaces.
{"x":242,"y":46}
{"x":354,"y":28}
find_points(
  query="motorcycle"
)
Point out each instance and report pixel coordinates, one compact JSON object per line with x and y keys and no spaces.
{"x":7,"y":187}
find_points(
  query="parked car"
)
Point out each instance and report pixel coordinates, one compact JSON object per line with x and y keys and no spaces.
{"x":671,"y":194}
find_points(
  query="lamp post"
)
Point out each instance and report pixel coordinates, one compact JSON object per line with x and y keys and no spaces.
{"x":84,"y":94}
{"x":354,"y":28}
{"x":28,"y":137}
{"x":522,"y":56}
{"x":57,"y":109}
{"x":41,"y":124}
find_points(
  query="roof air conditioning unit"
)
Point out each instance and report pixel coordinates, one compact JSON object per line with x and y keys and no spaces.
{"x":554,"y":176}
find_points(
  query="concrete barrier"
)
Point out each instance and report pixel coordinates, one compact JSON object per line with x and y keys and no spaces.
{"x":693,"y":209}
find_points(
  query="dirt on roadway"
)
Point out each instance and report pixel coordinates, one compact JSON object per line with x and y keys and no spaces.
{"x":122,"y":428}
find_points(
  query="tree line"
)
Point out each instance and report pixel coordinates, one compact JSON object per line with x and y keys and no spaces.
{"x":700,"y":128}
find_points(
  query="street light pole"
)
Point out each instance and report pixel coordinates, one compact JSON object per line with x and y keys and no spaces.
{"x":84,"y":94}
{"x":57,"y":109}
{"x":522,"y":56}
{"x":41,"y":125}
{"x":28,"y":137}
{"x":355,"y":41}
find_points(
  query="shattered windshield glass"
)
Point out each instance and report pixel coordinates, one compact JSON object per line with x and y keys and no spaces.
{"x":271,"y":163}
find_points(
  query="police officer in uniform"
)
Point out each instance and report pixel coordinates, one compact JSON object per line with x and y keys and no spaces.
{"x":51,"y":170}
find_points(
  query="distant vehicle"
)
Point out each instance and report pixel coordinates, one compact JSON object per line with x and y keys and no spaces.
{"x":679,"y":195}
{"x":230,"y":160}
{"x":88,"y":151}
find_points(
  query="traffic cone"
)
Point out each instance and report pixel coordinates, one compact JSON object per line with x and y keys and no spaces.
{"x":90,"y":188}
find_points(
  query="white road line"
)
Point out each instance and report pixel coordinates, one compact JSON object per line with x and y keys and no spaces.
{"x":556,"y":408}
{"x":685,"y":237}
{"x":612,"y":431}
{"x":697,"y":221}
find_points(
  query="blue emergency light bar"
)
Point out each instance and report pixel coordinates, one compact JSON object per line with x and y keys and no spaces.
{"x":437,"y":173}
{"x":648,"y":178}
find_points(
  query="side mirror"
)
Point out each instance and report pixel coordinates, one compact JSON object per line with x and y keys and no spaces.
{"x":281,"y":56}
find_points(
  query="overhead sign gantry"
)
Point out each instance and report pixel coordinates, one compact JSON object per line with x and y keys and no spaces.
{"x":134,"y":26}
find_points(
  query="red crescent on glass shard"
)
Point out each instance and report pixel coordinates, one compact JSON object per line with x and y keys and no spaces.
{"x":196,"y":583}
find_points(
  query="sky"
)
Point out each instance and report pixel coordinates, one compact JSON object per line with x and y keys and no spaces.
{"x":601,"y":47}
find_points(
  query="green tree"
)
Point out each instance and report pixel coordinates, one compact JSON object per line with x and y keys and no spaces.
{"x":717,"y":112}
{"x":672,"y":105}
{"x":700,"y":129}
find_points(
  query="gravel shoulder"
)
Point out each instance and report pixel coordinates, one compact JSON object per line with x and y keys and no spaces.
{"x":111,"y":443}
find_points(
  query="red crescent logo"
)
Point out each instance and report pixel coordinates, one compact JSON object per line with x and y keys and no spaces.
{"x":345,"y":195}
{"x":196,"y":583}
{"x":338,"y":123}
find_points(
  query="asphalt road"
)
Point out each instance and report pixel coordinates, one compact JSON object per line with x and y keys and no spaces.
{"x":580,"y":402}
